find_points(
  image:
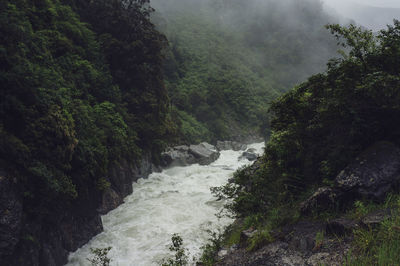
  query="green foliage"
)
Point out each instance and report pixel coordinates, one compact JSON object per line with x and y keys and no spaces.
{"x":319,"y":240}
{"x":222,"y":68}
{"x":211,"y":249}
{"x":79,"y":94}
{"x":100,"y":257}
{"x":320,"y":126}
{"x":380,"y":245}
{"x":360,"y":209}
{"x":191,"y":130}
{"x":103,"y":184}
{"x":261,"y":238}
{"x":180,"y":256}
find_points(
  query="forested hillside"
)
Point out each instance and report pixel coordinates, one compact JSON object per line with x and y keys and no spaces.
{"x":228,"y":59}
{"x":75,"y":96}
{"x":321,"y":125}
{"x":319,"y":128}
{"x":81,"y":91}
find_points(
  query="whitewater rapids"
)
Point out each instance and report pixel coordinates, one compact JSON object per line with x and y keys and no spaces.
{"x":177,"y":200}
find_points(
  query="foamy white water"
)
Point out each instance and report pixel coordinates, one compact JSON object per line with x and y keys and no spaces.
{"x":177,"y":200}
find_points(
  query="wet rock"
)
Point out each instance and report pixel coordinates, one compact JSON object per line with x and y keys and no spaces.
{"x":323,"y":199}
{"x":204,"y":153}
{"x":341,"y":226}
{"x":375,"y":218}
{"x":177,"y":156}
{"x":250,"y":154}
{"x":110,"y":201}
{"x":373,"y":173}
{"x":231,"y":145}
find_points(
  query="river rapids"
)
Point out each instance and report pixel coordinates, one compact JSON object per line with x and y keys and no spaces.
{"x":177,"y":200}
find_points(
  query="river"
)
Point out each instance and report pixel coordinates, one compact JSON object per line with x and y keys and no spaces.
{"x":177,"y":200}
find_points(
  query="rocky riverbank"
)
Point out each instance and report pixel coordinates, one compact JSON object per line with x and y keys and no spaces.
{"x":46,"y":238}
{"x":316,"y":241}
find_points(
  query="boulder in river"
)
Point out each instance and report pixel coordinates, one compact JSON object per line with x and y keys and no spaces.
{"x":183,"y":155}
{"x":204,"y":153}
{"x":250,"y":154}
{"x":177,"y":156}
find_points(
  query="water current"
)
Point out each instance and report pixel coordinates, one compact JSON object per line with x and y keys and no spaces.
{"x":177,"y":200}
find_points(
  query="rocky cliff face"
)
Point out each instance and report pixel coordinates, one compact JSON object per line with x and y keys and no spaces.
{"x":48,"y":237}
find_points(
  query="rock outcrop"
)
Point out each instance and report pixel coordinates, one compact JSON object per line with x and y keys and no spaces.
{"x":372,"y":175}
{"x":202,"y":154}
{"x":295,"y":245}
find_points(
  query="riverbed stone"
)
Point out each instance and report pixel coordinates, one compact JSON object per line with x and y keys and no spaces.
{"x":249,"y":154}
{"x":204,"y":153}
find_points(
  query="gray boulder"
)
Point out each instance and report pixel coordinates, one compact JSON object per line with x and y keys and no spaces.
{"x":177,"y":156}
{"x":373,"y":173}
{"x":250,"y":154}
{"x":204,"y":153}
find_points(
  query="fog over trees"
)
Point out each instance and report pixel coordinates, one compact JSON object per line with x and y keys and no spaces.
{"x":226,"y":59}
{"x":372,"y":14}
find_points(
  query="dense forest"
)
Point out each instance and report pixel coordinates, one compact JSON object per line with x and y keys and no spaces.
{"x":82,"y":89}
{"x":320,"y":127}
{"x":83,"y":82}
{"x":227,"y":60}
{"x":78,"y":92}
{"x":93,"y":86}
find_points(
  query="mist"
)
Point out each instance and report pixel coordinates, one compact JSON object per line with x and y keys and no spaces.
{"x":371,"y":14}
{"x":285,"y":39}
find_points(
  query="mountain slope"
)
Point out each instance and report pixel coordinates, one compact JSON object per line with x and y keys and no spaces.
{"x":228,"y":58}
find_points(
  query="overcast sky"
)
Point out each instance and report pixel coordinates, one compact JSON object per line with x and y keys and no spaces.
{"x":376,"y":3}
{"x":373,"y":14}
